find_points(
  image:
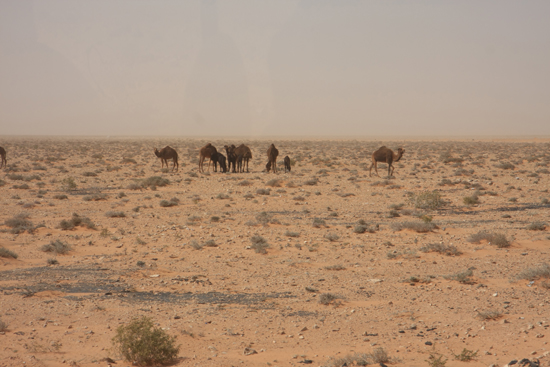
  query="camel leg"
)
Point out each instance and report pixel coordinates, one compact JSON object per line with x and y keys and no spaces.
{"x":370,"y":169}
{"x":201,"y":159}
{"x":376,"y":168}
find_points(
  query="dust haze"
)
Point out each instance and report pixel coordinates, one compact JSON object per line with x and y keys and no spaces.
{"x":272,"y":68}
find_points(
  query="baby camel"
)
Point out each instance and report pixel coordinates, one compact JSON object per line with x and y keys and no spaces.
{"x":385,"y":155}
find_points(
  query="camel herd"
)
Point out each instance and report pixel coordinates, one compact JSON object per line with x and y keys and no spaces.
{"x":239,"y":156}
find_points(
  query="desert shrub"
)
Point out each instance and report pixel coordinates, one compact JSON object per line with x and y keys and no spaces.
{"x":210,"y":243}
{"x":154,"y":181}
{"x":57,"y":247}
{"x":470,"y":200}
{"x":537,"y":226}
{"x":299,"y":198}
{"x":259,"y":244}
{"x":335,"y":267}
{"x":466,"y":355}
{"x":4,"y":252}
{"x":497,"y":239}
{"x":464,"y":277}
{"x":214,"y":219}
{"x":448,"y":250}
{"x":52,"y":261}
{"x":489,"y":315}
{"x":68,"y":184}
{"x":332,"y":237}
{"x":248,"y":196}
{"x":197,"y":246}
{"x":60,"y":197}
{"x":20,"y":223}
{"x":134,"y":186}
{"x":275,"y":182}
{"x":222,"y":196}
{"x":505,"y":165}
{"x":89,"y":174}
{"x":377,"y":357}
{"x":393,"y":214}
{"x":311,"y":182}
{"x":76,"y":221}
{"x":128,"y":160}
{"x":436,"y":360}
{"x":542,"y":271}
{"x":115,"y":214}
{"x":168,"y":203}
{"x":263,"y":191}
{"x":427,"y":200}
{"x":21,"y":187}
{"x":264,"y":218}
{"x":327,"y":298}
{"x":95,"y":197}
{"x":141,"y":343}
{"x":420,"y":227}
{"x":292,"y":234}
{"x":244,"y":183}
{"x":318,"y":222}
{"x":193,"y":220}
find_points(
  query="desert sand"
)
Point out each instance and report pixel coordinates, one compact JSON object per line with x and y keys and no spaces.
{"x":401,"y":271}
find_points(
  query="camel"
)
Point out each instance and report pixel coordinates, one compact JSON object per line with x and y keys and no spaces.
{"x":3,"y":156}
{"x":385,"y":155}
{"x":221,"y":161}
{"x":246,"y":154}
{"x":167,"y":153}
{"x":287,"y":163}
{"x":272,"y":154}
{"x":206,"y":152}
{"x":231,"y":157}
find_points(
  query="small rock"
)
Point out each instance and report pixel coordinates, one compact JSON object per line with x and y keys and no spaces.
{"x":428,"y":343}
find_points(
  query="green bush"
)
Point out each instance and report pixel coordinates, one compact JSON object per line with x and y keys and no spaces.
{"x":143,"y":344}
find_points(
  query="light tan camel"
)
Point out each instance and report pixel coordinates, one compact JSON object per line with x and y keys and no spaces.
{"x":246,"y":154}
{"x":3,"y":156}
{"x":385,"y":155}
{"x":167,"y":153}
{"x":272,"y":154}
{"x":208,"y":151}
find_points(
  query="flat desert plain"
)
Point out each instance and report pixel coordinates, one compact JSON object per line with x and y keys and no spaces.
{"x":444,"y":264}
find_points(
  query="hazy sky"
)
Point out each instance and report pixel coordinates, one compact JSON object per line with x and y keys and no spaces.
{"x":261,"y":68}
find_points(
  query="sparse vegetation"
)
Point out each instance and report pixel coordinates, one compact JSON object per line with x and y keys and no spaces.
{"x":466,"y":355}
{"x":436,"y":360}
{"x":6,"y":253}
{"x":420,"y":227}
{"x":57,"y":247}
{"x":497,"y":239}
{"x":20,"y":223}
{"x":537,"y":226}
{"x":327,"y":298}
{"x":141,"y":343}
{"x":489,"y":315}
{"x":115,"y":214}
{"x":542,"y":271}
{"x":76,"y":221}
{"x":3,"y":326}
{"x":259,"y":244}
{"x":427,"y":200}
{"x":168,"y":203}
{"x":464,"y":277}
{"x":448,"y":250}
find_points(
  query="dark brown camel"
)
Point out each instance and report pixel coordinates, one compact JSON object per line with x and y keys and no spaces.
{"x":246,"y":154}
{"x":287,"y":163}
{"x":272,"y":154}
{"x":167,"y":153}
{"x":206,"y":152}
{"x":385,"y":155}
{"x":3,"y":156}
{"x":231,"y":157}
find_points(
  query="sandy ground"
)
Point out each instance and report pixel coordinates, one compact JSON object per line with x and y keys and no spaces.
{"x":323,"y":291}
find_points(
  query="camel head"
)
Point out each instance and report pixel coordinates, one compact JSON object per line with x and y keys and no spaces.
{"x":400,"y":152}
